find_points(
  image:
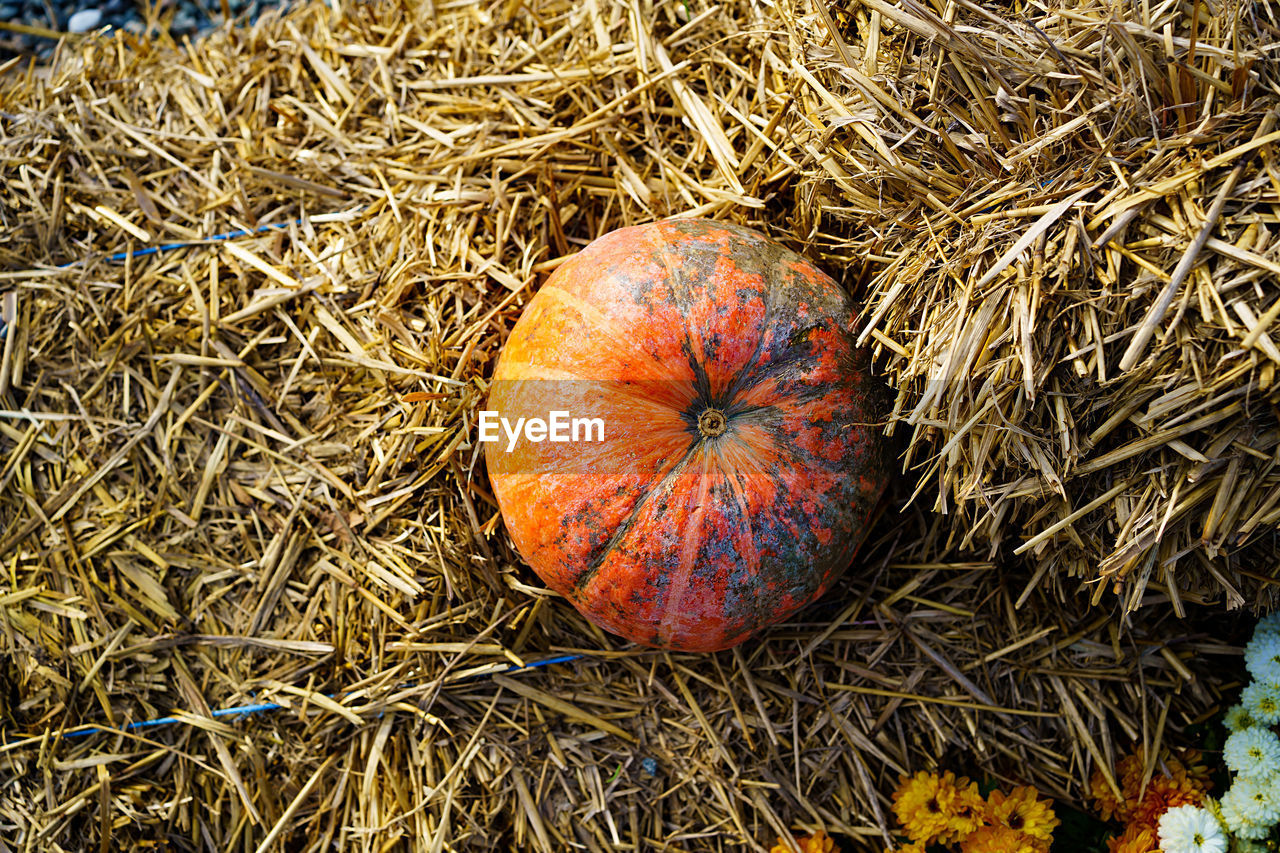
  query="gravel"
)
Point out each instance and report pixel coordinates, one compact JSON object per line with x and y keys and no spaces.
{"x":84,"y":20}
{"x":189,"y":18}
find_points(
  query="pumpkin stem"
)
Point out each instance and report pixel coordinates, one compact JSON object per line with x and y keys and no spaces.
{"x":711,"y":423}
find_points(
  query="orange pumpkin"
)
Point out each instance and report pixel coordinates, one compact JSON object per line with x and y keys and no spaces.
{"x":740,"y":460}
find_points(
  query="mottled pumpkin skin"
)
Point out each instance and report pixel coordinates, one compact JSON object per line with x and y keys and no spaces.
{"x":666,"y":532}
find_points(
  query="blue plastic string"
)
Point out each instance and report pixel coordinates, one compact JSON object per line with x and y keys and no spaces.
{"x":216,"y":238}
{"x":245,"y":710}
{"x":239,"y":710}
{"x":169,"y":247}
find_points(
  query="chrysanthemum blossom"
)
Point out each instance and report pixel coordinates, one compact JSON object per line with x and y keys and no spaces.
{"x":1129,"y":771}
{"x":1262,"y":700}
{"x":1190,"y":829}
{"x":937,"y":808}
{"x":1238,"y":718}
{"x":1136,"y":839}
{"x":968,"y":815}
{"x":1105,"y":799}
{"x":1252,"y":753}
{"x":1262,"y":657}
{"x":1256,"y":800}
{"x":1129,"y":774}
{"x":1189,"y":765}
{"x":1163,"y":793}
{"x":1022,"y":811}
{"x":1000,"y":839}
{"x":1237,"y":823}
{"x":1269,"y":624}
{"x":1186,"y":782}
{"x":818,"y":842}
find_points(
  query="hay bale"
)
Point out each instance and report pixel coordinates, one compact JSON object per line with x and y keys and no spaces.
{"x":1074,"y":210}
{"x":241,"y":471}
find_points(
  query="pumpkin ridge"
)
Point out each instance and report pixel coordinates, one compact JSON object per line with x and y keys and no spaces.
{"x":798,"y":355}
{"x":738,"y":409}
{"x":702,"y":384}
{"x":737,"y":486}
{"x":695,"y":290}
{"x":583,"y":580}
{"x":797,"y":351}
{"x":720,"y":501}
{"x":766,"y":326}
{"x":672,"y":614}
{"x":738,"y":381}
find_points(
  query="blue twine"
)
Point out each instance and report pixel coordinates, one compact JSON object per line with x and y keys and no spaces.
{"x":240,"y":710}
{"x":169,"y":247}
{"x":244,"y":710}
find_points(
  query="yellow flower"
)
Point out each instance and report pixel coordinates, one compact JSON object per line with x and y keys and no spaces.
{"x":1023,"y":812}
{"x":970,"y":812}
{"x":1163,"y":794}
{"x":1129,"y":773}
{"x":819,"y":842}
{"x":932,"y":808}
{"x":1136,"y":839}
{"x":999,"y":839}
{"x":1187,"y":782}
{"x":1189,"y":765}
{"x":1104,"y":798}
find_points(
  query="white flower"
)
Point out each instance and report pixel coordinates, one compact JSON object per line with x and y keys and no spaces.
{"x":1252,"y":753}
{"x":1262,"y":700}
{"x":1243,"y":846}
{"x":1269,"y":624}
{"x":1236,"y":821}
{"x":1256,"y":800}
{"x":1238,"y":719}
{"x":1191,"y":829}
{"x":1262,"y":657}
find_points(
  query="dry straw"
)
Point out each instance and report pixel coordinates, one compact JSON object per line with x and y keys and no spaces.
{"x":243,"y":472}
{"x":1076,"y":211}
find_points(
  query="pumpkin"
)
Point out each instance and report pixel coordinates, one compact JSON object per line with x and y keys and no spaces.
{"x":740,"y":460}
